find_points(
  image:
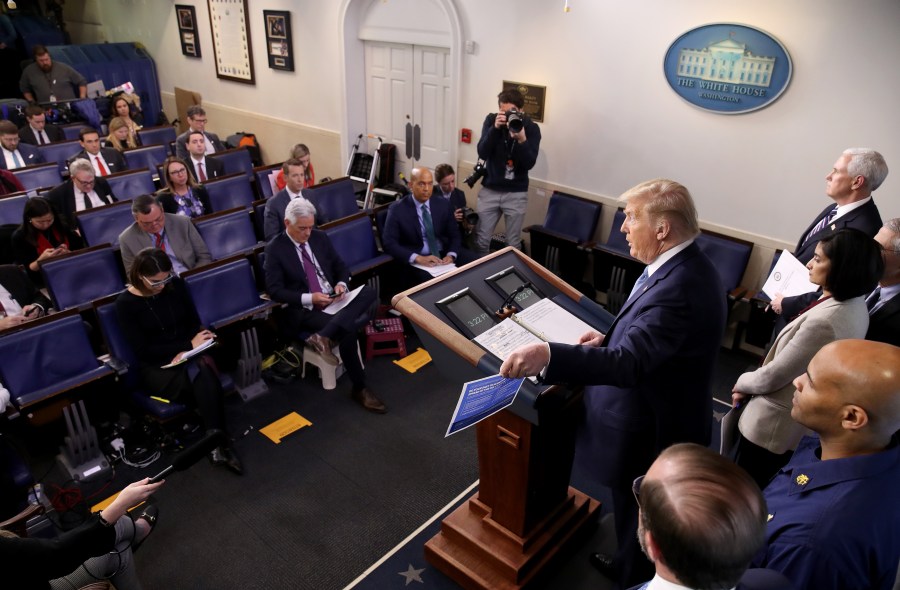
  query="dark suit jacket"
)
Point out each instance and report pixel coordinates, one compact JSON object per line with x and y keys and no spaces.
{"x":181,"y":147}
{"x":402,"y":232}
{"x":865,"y":218}
{"x":54,"y":134}
{"x":651,"y":380}
{"x":63,"y":198}
{"x":758,"y":579}
{"x":214,"y":168}
{"x":884,"y":324}
{"x":114,"y":159}
{"x":285,"y":277}
{"x":30,"y":156}
{"x":21,"y":289}
{"x":167,"y":200}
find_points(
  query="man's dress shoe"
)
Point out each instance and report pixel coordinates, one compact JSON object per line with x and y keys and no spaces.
{"x":368,"y":400}
{"x":605,"y":564}
{"x":323,"y":346}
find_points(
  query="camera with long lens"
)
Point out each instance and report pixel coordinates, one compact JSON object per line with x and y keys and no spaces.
{"x":477,"y":174}
{"x":515,"y":120}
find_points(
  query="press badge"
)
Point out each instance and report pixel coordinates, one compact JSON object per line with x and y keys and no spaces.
{"x":510,"y":171}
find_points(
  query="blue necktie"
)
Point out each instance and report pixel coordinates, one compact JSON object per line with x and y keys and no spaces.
{"x":16,"y":159}
{"x":429,"y":232}
{"x":636,"y":290}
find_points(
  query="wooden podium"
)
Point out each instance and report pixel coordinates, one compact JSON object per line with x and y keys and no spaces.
{"x":525,"y":515}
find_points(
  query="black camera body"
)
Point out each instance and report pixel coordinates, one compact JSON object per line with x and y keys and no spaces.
{"x":515,"y":120}
{"x":477,"y":174}
{"x":470,"y":216}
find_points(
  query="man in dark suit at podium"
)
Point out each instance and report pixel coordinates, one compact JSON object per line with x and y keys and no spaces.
{"x":702,"y":519}
{"x":651,"y":373}
{"x":304,"y":271}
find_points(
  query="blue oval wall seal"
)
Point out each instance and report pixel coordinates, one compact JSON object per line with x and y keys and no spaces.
{"x":728,"y":68}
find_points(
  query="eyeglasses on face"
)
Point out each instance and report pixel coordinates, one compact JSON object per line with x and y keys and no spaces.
{"x":636,"y":488}
{"x":159,"y":283}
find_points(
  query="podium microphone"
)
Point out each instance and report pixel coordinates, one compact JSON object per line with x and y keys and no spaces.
{"x":193,"y":453}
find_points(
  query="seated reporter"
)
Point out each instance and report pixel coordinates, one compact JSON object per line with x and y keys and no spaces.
{"x":304,"y":271}
{"x":20,"y":301}
{"x":83,"y":190}
{"x":120,"y":137}
{"x":160,"y":323}
{"x":182,"y":195}
{"x":43,"y":235}
{"x":847,"y":265}
{"x":101,"y":548}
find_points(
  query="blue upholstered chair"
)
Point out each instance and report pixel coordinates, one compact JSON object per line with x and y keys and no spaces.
{"x":40,"y":176}
{"x":127,"y":366}
{"x":76,"y":279}
{"x":333,"y":200}
{"x":147,"y":156}
{"x":234,"y":277}
{"x":131,"y":183}
{"x":72,"y":131}
{"x":615,"y":271}
{"x":12,"y":208}
{"x":47,"y":357}
{"x":730,"y":257}
{"x":227,"y":232}
{"x":354,"y":240}
{"x":261,"y":176}
{"x":60,"y":153}
{"x":236,"y":160}
{"x":162,"y":135}
{"x":259,"y":218}
{"x":562,"y":241}
{"x":102,"y":225}
{"x":228,"y":192}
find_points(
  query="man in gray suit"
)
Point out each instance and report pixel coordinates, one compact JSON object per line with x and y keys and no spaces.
{"x":173,"y":234}
{"x":196,"y":118}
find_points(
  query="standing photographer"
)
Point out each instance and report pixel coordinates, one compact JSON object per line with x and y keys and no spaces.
{"x":509,"y":147}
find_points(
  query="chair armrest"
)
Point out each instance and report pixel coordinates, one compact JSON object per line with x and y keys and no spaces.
{"x":17,"y":523}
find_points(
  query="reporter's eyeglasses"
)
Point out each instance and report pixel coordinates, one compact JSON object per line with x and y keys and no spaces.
{"x":160,"y":283}
{"x":636,"y":489}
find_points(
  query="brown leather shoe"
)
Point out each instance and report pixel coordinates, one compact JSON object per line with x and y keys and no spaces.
{"x":323,"y":346}
{"x":367,"y":399}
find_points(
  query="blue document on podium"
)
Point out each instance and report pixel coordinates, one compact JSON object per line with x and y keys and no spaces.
{"x":482,"y":398}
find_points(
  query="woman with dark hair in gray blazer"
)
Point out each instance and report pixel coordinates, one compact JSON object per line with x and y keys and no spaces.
{"x":847,"y":265}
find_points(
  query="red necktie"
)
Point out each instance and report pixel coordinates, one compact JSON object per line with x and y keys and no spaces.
{"x":200,"y":172}
{"x":159,"y":241}
{"x":100,"y":166}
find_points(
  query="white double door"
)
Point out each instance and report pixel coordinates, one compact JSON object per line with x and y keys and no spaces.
{"x":408,"y":90}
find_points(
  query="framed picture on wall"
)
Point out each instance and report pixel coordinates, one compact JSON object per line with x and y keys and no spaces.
{"x":187,"y":30}
{"x":279,"y":44}
{"x":229,"y":23}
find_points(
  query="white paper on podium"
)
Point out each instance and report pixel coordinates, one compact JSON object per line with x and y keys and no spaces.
{"x":505,"y":337}
{"x":336,"y":306}
{"x":790,"y":277}
{"x":436,"y":271}
{"x":552,"y":322}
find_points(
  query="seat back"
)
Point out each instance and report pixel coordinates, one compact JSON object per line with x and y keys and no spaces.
{"x":148,"y":156}
{"x":729,"y":255}
{"x":115,"y":340}
{"x":261,"y":174}
{"x":131,"y":183}
{"x":227,"y":232}
{"x":60,"y":153}
{"x":228,"y":192}
{"x":616,"y":240}
{"x":333,"y":200}
{"x":572,"y":216}
{"x":72,"y":131}
{"x":162,"y":135}
{"x":46,"y":357}
{"x":40,"y":176}
{"x":78,"y":278}
{"x":12,"y":208}
{"x":102,"y":225}
{"x":259,"y":218}
{"x":354,"y":240}
{"x":208,"y":284}
{"x":236,"y":161}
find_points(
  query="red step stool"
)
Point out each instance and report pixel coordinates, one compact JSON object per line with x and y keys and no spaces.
{"x":393,"y":332}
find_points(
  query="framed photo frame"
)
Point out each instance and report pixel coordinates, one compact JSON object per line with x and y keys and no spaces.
{"x":229,"y":23}
{"x":187,"y":30}
{"x":279,"y":43}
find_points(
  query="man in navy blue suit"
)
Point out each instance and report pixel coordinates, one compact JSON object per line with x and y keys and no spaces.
{"x":855,"y":175}
{"x":14,"y":154}
{"x":702,"y":519}
{"x":650,"y":375}
{"x":304,"y":271}
{"x":421,"y":231}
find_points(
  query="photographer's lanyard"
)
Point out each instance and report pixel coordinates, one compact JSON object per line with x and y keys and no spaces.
{"x":510,"y":173}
